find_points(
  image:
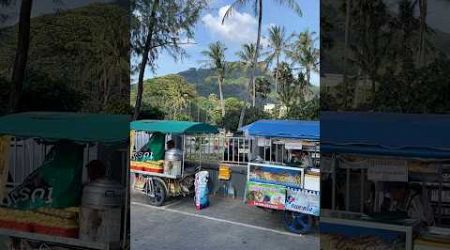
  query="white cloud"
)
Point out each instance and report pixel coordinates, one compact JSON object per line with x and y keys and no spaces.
{"x":240,"y":27}
{"x":187,"y":42}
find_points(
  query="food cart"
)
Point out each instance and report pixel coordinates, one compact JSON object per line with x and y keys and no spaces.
{"x":277,"y":180}
{"x":45,"y":190}
{"x":159,"y":179}
{"x":362,"y":155}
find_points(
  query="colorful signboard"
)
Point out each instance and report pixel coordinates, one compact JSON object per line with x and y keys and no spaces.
{"x":303,"y":201}
{"x":266,"y":195}
{"x":277,"y":175}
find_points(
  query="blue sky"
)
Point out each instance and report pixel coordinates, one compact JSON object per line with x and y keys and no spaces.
{"x":240,"y":28}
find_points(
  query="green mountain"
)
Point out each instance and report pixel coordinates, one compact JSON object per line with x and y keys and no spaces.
{"x":205,"y":82}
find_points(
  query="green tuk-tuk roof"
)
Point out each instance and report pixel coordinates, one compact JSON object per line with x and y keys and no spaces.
{"x":173,"y":127}
{"x":80,"y":127}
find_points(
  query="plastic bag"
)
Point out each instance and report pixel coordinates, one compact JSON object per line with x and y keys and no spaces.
{"x":201,"y":190}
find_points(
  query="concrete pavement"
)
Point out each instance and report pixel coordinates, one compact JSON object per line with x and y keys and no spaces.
{"x":226,"y":224}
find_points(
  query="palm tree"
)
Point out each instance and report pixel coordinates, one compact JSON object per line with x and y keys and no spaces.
{"x":258,"y":11}
{"x":286,"y":91}
{"x":216,"y":60}
{"x":277,"y":45}
{"x":246,"y":56}
{"x":304,"y":53}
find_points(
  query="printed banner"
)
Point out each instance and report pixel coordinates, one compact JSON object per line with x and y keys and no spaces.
{"x":266,"y":195}
{"x":56,"y":183}
{"x":303,"y":201}
{"x":277,"y":175}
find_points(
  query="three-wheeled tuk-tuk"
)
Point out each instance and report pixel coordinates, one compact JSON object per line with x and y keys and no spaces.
{"x":158,"y":159}
{"x":63,"y":178}
{"x":284,"y":171}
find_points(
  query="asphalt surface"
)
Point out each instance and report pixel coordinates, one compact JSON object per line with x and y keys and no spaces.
{"x":226,"y":224}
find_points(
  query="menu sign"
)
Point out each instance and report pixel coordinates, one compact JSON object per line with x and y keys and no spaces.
{"x":277,"y":175}
{"x":303,"y":201}
{"x":388,"y":170}
{"x":266,"y":195}
{"x":312,"y":181}
{"x":293,"y":145}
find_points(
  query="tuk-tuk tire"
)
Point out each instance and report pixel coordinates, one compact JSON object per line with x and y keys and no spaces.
{"x":161,"y":193}
{"x":301,"y":224}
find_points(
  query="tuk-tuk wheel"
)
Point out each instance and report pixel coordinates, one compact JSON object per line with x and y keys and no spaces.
{"x":297,"y":222}
{"x":159,"y":194}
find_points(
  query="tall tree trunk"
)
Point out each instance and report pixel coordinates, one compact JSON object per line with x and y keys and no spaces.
{"x":252,"y":83}
{"x":276,"y":74}
{"x":20,"y":62}
{"x":142,"y":66}
{"x":248,"y":97}
{"x":222,"y":103}
{"x":423,"y":17}
{"x":241,"y":116}
{"x":374,"y":96}
{"x":347,"y":27}
{"x":255,"y":59}
{"x":308,"y":82}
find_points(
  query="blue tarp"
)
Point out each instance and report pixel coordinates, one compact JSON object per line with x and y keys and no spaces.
{"x":411,"y":135}
{"x":307,"y":130}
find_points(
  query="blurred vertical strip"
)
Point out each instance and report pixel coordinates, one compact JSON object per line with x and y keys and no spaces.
{"x":385,"y":106}
{"x":64,"y":116}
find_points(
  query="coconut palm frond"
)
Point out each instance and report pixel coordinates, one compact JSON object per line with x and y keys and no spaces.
{"x":291,"y":4}
{"x":236,"y":5}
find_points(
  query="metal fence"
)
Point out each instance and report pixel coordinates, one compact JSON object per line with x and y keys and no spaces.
{"x":239,"y":150}
{"x":213,"y":148}
{"x":232,"y":149}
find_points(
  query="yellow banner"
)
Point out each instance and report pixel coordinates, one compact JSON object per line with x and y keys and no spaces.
{"x":4,"y":163}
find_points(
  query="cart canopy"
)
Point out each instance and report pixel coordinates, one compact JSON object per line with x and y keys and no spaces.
{"x":295,"y":129}
{"x":78,"y":127}
{"x":394,"y":134}
{"x":173,"y":127}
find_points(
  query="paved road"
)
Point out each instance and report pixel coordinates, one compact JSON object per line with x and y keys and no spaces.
{"x":227,"y":224}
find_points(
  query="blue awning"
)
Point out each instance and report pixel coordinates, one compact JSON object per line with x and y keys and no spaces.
{"x":295,"y":129}
{"x":395,"y":134}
